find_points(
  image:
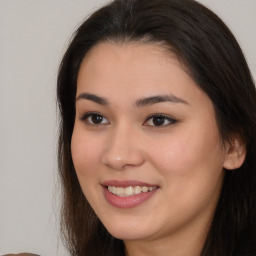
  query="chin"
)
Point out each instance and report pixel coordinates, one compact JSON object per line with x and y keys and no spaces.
{"x":127,"y":235}
{"x":128,"y":231}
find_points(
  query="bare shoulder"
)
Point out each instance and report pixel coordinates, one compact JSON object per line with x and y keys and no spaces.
{"x":21,"y":254}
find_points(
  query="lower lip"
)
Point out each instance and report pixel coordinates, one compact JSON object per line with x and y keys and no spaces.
{"x":127,"y":201}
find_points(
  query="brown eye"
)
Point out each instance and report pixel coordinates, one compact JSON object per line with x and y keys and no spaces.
{"x":159,"y":120}
{"x":94,"y":119}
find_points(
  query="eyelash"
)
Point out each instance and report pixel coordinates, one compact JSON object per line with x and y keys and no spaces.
{"x":162,"y":117}
{"x":88,"y":115}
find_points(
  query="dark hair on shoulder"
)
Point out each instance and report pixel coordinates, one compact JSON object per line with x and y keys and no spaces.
{"x":213,"y":58}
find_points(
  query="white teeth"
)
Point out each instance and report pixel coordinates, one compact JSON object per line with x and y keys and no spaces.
{"x":119,"y":191}
{"x":137,"y":190}
{"x":145,"y":189}
{"x":129,"y":191}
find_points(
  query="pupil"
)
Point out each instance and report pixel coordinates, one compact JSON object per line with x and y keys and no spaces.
{"x":159,"y":120}
{"x":96,"y":119}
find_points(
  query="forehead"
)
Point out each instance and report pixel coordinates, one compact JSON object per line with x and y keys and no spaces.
{"x":140,"y":47}
{"x":135,"y":60}
{"x":105,"y":55}
{"x":134,"y":70}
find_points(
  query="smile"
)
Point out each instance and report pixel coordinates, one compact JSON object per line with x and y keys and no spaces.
{"x":130,"y":190}
{"x":127,"y":194}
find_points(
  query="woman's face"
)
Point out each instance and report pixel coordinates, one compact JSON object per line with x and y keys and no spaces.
{"x":145,"y":145}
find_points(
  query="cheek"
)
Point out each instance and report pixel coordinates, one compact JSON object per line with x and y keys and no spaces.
{"x":191,"y":167}
{"x":189,"y":153}
{"x":85,"y":154}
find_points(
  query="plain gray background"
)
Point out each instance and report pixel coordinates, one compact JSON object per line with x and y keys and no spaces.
{"x":34,"y":35}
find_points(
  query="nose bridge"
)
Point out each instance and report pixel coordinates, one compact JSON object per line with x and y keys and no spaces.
{"x":122,"y":148}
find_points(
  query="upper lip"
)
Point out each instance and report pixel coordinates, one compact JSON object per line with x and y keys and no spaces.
{"x":126,"y":183}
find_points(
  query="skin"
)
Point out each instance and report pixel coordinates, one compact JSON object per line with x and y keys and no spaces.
{"x":184,"y":158}
{"x":21,"y":254}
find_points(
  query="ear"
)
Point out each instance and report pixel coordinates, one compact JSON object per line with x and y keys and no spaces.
{"x":235,"y":153}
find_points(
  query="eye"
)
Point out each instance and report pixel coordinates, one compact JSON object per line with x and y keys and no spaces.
{"x":94,"y":119}
{"x":159,"y":120}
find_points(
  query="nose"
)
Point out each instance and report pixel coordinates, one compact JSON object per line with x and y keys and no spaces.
{"x":122,"y":149}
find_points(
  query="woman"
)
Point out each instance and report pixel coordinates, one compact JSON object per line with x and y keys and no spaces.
{"x":22,"y":254}
{"x":157,"y":134}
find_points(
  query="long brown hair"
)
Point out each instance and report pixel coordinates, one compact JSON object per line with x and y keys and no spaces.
{"x":215,"y":61}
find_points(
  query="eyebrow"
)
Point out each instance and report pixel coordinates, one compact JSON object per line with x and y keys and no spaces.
{"x":158,"y":99}
{"x":139,"y":103}
{"x":93,"y":97}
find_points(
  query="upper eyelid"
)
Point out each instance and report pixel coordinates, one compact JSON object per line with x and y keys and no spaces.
{"x":162,"y":115}
{"x":149,"y":116}
{"x":87,"y":114}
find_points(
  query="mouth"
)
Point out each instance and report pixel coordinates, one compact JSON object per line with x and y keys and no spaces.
{"x":130,"y":190}
{"x":127,"y":194}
